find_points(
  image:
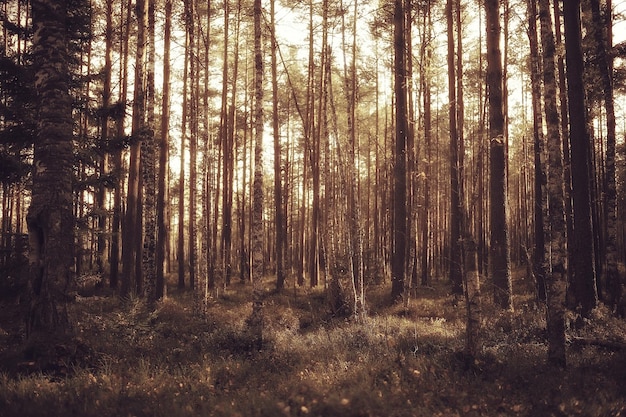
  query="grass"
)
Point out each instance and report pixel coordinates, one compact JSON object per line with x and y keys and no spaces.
{"x":402,"y":361}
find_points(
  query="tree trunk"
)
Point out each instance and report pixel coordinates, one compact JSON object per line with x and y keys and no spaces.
{"x":279,"y":218}
{"x":180,"y":249}
{"x":256,"y":319}
{"x":455,"y":180}
{"x":539,"y":254}
{"x":162,"y":225}
{"x":148,"y":171}
{"x":50,"y":219}
{"x":556,"y":237}
{"x":398,"y":262}
{"x":426,"y":92}
{"x":603,"y":45}
{"x":104,"y":136}
{"x":583,"y":286}
{"x":133,"y":223}
{"x":499,"y":237}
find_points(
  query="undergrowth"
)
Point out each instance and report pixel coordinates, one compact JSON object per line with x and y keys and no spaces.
{"x":403,"y":360}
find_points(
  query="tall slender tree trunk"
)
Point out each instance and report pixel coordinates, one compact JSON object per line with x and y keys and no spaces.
{"x":567,"y":171}
{"x":180,"y":249}
{"x":603,"y":45}
{"x":499,"y":237}
{"x":556,"y":275}
{"x":190,"y":13}
{"x":256,"y":319}
{"x":426,"y":52}
{"x":279,"y":217}
{"x":162,"y":176}
{"x":117,"y":157}
{"x":539,"y":253}
{"x":398,"y":262}
{"x":228,"y":141}
{"x":455,"y":180}
{"x":104,"y":135}
{"x":133,"y":222}
{"x":148,"y":170}
{"x":583,"y":286}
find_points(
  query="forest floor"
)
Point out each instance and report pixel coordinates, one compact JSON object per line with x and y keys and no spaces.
{"x":402,"y":361}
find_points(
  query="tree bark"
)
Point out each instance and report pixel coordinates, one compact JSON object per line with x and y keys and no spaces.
{"x":256,"y":319}
{"x":148,"y":170}
{"x":279,"y":217}
{"x":456,"y":278}
{"x":50,"y":219}
{"x":499,"y":237}
{"x":583,"y":286}
{"x":556,"y":237}
{"x":398,"y":262}
{"x":605,"y":64}
{"x":162,"y":177}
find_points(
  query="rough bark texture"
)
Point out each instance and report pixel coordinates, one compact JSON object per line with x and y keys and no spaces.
{"x":279,"y":215}
{"x":613,"y":284}
{"x":50,"y":219}
{"x":256,"y":319}
{"x":148,"y":171}
{"x":455,"y":213}
{"x":399,"y":170}
{"x":584,"y":276}
{"x":556,"y":258}
{"x":499,"y":238}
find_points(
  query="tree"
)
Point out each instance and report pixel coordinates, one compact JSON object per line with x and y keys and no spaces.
{"x":398,"y":261}
{"x":499,"y":237}
{"x":256,"y":319}
{"x":583,"y":286}
{"x":605,"y":64}
{"x":104,"y":135}
{"x":162,"y":175}
{"x":279,"y":210}
{"x":455,"y":179}
{"x":132,"y":242}
{"x":117,"y":157}
{"x":148,"y":170}
{"x":50,"y":218}
{"x":556,"y":274}
{"x":539,"y":254}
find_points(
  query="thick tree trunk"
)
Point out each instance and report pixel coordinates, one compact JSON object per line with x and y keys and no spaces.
{"x":398,"y":262}
{"x":50,"y":219}
{"x":583,"y":286}
{"x":556,"y":258}
{"x":499,"y":237}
